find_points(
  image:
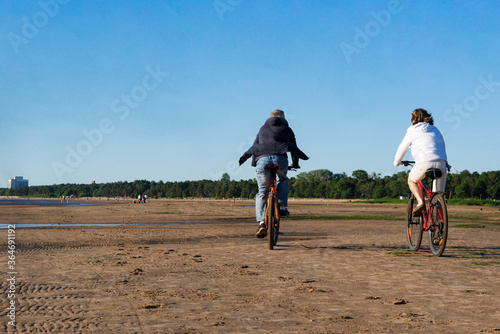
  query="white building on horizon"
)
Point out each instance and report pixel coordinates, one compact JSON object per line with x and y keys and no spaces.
{"x":17,"y":182}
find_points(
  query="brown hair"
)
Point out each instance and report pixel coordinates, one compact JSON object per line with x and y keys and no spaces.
{"x":421,"y":115}
{"x":278,"y":113}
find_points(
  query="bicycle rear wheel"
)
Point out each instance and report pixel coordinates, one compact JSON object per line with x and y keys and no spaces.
{"x":414,"y":227}
{"x":276,"y":230}
{"x":438,"y":233}
{"x":271,"y":217}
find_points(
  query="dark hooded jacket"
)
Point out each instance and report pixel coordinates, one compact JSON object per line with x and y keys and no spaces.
{"x":274,"y":138}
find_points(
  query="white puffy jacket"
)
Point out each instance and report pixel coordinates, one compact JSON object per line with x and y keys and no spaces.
{"x":427,"y":144}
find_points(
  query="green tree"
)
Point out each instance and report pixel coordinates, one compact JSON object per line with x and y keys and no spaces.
{"x":360,"y":175}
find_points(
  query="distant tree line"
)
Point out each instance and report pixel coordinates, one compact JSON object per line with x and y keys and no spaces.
{"x":320,"y":183}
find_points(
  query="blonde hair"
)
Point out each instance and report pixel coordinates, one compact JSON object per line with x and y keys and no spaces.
{"x":421,"y":115}
{"x":278,"y":113}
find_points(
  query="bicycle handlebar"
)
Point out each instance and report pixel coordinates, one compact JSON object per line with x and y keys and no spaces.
{"x":448,"y":166}
{"x":276,"y":167}
{"x":406,"y":163}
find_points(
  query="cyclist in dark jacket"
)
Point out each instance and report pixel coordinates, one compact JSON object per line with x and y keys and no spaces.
{"x":274,"y":140}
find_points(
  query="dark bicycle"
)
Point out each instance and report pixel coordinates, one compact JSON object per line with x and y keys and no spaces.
{"x":272,"y":218}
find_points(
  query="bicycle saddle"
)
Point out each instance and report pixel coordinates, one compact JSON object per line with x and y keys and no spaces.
{"x":271,"y":166}
{"x":433,"y":173}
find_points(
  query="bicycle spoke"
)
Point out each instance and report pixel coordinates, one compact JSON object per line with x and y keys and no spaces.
{"x":438,"y":233}
{"x":413,"y":227}
{"x":271,"y":209}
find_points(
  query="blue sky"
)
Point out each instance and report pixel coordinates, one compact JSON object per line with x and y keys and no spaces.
{"x":176,"y":90}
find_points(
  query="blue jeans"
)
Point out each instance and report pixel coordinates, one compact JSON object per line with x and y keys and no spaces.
{"x":264,"y":183}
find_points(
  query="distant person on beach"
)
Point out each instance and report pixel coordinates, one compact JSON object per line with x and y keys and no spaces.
{"x":428,"y":150}
{"x":274,"y":140}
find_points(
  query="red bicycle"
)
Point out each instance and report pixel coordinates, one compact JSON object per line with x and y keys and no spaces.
{"x":434,"y":216}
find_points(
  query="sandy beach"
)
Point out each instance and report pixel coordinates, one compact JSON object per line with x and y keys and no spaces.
{"x":195,"y":266}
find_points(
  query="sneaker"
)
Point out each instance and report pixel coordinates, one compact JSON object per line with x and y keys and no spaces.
{"x":283,"y":212}
{"x":262,"y":231}
{"x":418,"y":210}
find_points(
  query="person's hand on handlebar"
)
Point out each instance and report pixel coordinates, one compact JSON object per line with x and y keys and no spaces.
{"x":406,"y":163}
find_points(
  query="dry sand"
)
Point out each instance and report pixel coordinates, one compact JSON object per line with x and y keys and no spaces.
{"x":326,"y":275}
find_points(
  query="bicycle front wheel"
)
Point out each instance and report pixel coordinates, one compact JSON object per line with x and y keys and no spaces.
{"x":414,"y":227}
{"x":271,"y":221}
{"x":438,"y":233}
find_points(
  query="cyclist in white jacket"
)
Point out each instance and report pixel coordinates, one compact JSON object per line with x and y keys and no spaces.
{"x":428,"y":150}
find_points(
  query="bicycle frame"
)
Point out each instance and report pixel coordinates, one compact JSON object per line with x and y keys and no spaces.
{"x":428,"y":209}
{"x":272,"y":193}
{"x":272,"y":219}
{"x":425,"y":190}
{"x":272,"y":215}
